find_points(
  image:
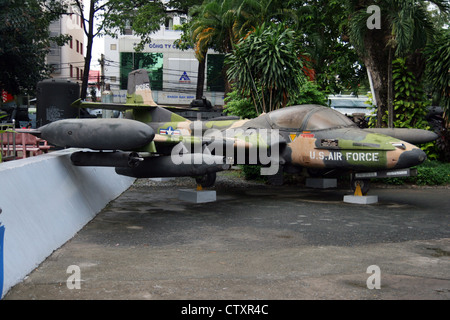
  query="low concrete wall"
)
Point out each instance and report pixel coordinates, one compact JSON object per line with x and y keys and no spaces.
{"x":44,"y":202}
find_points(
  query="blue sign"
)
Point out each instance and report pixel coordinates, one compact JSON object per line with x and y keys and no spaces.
{"x":185,"y":78}
{"x":2,"y":233}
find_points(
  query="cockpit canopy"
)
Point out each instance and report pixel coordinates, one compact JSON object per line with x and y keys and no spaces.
{"x":303,"y":117}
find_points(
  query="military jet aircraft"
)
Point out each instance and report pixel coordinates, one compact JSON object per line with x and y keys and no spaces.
{"x":153,"y":141}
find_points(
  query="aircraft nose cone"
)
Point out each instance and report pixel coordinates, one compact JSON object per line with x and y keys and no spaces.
{"x":411,"y":158}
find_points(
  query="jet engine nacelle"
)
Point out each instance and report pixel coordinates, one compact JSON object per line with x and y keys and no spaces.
{"x":188,"y":165}
{"x":105,"y":159}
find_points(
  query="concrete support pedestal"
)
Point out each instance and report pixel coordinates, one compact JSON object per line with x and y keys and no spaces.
{"x":361,"y":199}
{"x":161,"y":179}
{"x":321,"y":183}
{"x":197,"y":196}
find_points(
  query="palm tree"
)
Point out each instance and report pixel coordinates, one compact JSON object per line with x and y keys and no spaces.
{"x":212,"y":28}
{"x":213,"y":25}
{"x":253,"y":13}
{"x":266,"y":66}
{"x":186,"y":41}
{"x":405,"y":28}
{"x":438,"y":66}
{"x":220,"y":24}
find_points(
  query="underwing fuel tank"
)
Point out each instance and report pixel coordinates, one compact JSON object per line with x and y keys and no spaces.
{"x":105,"y":159}
{"x":186,"y":165}
{"x":98,"y":134}
{"x":413,"y":136}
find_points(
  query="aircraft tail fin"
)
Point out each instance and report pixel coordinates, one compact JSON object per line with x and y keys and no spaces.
{"x":139,"y":90}
{"x":140,"y":100}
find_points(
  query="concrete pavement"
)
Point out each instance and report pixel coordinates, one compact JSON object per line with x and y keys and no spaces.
{"x":255,"y":242}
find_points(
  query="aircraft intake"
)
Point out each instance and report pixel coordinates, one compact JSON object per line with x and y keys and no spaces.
{"x":191,"y":165}
{"x":98,"y":134}
{"x":105,"y":159}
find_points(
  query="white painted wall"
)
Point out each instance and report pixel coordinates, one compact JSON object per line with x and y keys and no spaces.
{"x":45,"y":201}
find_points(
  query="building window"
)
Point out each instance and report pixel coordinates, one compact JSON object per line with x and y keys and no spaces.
{"x":71,"y":71}
{"x":215,"y":77}
{"x":71,"y":43}
{"x":78,"y":46}
{"x":81,"y":48}
{"x":78,"y":73}
{"x":168,"y":23}
{"x":113,"y":46}
{"x":55,"y":50}
{"x":128,"y":28}
{"x":55,"y":68}
{"x":152,"y":62}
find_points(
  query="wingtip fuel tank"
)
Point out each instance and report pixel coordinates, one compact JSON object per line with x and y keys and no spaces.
{"x":98,"y":134}
{"x":414,"y":136}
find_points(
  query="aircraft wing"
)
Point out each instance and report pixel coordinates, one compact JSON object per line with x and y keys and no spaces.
{"x":109,"y":106}
{"x":225,"y":140}
{"x":122,"y":107}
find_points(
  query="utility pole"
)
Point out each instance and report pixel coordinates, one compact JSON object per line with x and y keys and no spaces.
{"x":102,"y":71}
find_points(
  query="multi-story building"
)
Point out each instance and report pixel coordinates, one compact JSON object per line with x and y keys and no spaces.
{"x":67,"y":62}
{"x":173,"y":72}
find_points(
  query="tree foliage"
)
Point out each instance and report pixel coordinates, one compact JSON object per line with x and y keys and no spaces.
{"x":323,"y":29}
{"x":438,"y":66}
{"x":221,"y":24}
{"x":266,"y":66}
{"x":405,"y":29}
{"x":25,"y":42}
{"x":142,"y":16}
{"x":410,"y":103}
{"x":213,"y":26}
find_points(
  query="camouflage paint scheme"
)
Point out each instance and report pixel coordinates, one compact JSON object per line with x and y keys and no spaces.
{"x":306,"y":136}
{"x":346,"y":148}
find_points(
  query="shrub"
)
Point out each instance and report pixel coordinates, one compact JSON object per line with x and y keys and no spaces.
{"x":430,"y":173}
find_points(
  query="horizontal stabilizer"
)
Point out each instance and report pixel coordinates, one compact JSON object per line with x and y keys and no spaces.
{"x":34,"y":132}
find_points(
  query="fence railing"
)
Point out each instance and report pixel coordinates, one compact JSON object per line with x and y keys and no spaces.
{"x":7,"y":142}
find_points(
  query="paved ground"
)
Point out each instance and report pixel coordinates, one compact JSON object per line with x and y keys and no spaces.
{"x":255,"y":242}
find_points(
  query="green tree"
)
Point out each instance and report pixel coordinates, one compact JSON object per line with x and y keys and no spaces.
{"x":113,"y":17}
{"x":25,"y":42}
{"x":334,"y":62}
{"x":220,"y":24}
{"x":266,"y":66}
{"x":212,"y":28}
{"x":142,"y":16}
{"x":183,"y":6}
{"x":187,"y":41}
{"x":213,"y":25}
{"x":252,"y":13}
{"x":410,"y":103}
{"x":405,"y":28}
{"x":308,"y":93}
{"x":438,"y":65}
{"x":235,"y":105}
